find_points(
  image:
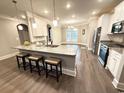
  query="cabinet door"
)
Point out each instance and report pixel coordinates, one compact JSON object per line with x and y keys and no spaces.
{"x":121,"y":14}
{"x":111,"y":65}
{"x":41,"y":28}
{"x":117,"y":60}
{"x":116,"y":15}
{"x":114,"y":62}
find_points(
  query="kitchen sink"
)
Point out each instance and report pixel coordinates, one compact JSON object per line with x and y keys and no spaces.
{"x":53,"y":46}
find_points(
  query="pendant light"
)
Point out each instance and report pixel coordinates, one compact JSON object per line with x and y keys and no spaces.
{"x":34,"y":25}
{"x":55,"y":21}
{"x":19,"y":27}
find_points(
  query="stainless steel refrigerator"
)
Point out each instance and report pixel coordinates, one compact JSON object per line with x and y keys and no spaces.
{"x":96,"y":40}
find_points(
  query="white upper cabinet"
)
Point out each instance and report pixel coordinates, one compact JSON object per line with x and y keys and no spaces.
{"x":104,"y":22}
{"x":118,"y":13}
{"x":41,"y":28}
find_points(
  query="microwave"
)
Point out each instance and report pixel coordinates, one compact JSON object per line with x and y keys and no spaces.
{"x":118,"y":27}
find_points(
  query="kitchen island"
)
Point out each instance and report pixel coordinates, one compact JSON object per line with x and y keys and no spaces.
{"x":67,"y":53}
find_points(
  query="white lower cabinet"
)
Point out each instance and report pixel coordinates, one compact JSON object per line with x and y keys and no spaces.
{"x":113,"y":62}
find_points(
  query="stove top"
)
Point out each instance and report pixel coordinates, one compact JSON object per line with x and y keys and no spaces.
{"x":112,"y":44}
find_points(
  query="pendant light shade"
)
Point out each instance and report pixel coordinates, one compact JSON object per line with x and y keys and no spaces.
{"x":55,"y":21}
{"x":34,"y":24}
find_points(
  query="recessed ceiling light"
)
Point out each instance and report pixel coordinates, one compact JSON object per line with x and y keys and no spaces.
{"x":73,"y":16}
{"x":68,"y":6}
{"x":46,"y":12}
{"x":94,"y":13}
{"x":23,"y":16}
{"x":100,"y":0}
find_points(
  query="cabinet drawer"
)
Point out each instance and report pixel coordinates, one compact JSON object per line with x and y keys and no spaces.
{"x":115,"y":55}
{"x":114,"y":61}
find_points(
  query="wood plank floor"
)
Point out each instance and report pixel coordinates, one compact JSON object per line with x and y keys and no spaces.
{"x":91,"y":78}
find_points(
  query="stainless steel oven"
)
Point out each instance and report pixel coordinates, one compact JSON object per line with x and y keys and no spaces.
{"x":103,"y":54}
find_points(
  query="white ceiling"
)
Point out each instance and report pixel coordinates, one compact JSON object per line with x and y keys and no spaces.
{"x":81,"y":8}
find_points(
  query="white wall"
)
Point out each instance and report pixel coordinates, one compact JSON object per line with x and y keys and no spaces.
{"x":84,"y":38}
{"x":8,"y":36}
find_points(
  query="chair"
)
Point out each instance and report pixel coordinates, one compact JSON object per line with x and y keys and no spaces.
{"x":21,"y":60}
{"x":53,"y":62}
{"x":36,"y":66}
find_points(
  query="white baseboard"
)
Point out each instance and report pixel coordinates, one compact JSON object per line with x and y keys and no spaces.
{"x":8,"y":56}
{"x":118,"y":85}
{"x":69,"y":72}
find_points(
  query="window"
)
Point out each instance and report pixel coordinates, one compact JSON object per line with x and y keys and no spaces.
{"x":71,"y":35}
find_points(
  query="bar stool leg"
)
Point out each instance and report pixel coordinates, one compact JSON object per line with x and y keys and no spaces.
{"x":57,"y":76}
{"x":24,"y":64}
{"x":38,"y":68}
{"x":61,"y":68}
{"x":46,"y":71}
{"x":43,"y":63}
{"x":51,"y":67}
{"x":30,"y":66}
{"x":18,"y":62}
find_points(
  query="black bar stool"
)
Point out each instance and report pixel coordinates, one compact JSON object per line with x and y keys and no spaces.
{"x":53,"y":62}
{"x":36,"y":66}
{"x":23,"y":62}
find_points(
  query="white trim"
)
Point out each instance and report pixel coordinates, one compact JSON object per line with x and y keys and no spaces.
{"x":90,"y":49}
{"x":118,"y":85}
{"x":8,"y":56}
{"x":69,"y":72}
{"x":115,"y":83}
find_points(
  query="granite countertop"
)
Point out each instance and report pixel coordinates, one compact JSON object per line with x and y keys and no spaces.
{"x":118,"y":47}
{"x":113,"y":44}
{"x":69,"y":50}
{"x":119,"y":50}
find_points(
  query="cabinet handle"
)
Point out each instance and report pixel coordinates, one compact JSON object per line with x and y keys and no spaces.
{"x":114,"y":59}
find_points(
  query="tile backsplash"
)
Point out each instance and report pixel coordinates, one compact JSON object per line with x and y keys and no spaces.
{"x":117,"y":38}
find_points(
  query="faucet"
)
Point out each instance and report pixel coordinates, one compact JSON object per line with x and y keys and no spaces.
{"x":51,"y":41}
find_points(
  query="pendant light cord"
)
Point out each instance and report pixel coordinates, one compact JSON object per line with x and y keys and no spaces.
{"x":54,"y":10}
{"x":25,"y":5}
{"x":16,"y":9}
{"x":32,"y":10}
